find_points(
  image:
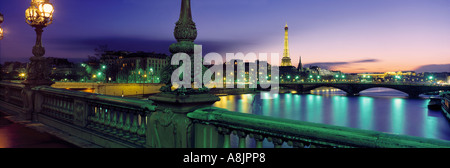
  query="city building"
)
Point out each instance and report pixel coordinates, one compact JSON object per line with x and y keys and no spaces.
{"x":62,"y":70}
{"x":128,"y":67}
{"x":317,"y":74}
{"x":249,"y":68}
{"x":405,"y":76}
{"x":300,"y":65}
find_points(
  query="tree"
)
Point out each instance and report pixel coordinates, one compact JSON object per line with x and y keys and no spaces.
{"x":101,"y":50}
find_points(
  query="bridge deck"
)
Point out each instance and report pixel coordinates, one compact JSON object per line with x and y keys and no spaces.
{"x":15,"y":135}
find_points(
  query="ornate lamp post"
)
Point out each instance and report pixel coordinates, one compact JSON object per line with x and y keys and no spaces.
{"x":173,"y":106}
{"x":38,"y":15}
{"x":1,"y":30}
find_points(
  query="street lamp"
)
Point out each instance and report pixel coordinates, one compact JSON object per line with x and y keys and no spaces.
{"x":38,"y":15}
{"x":22,"y":75}
{"x":1,"y":30}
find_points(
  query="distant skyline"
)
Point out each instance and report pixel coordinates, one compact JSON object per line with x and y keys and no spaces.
{"x":347,"y":35}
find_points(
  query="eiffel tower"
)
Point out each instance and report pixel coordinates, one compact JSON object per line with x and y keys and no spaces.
{"x":286,"y":60}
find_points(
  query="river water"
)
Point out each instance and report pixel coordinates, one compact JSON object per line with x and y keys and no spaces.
{"x":378,"y":109}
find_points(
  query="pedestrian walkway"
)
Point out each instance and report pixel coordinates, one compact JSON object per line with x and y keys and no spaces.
{"x":16,"y":135}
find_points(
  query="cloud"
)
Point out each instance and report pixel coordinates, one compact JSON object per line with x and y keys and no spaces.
{"x":366,"y":61}
{"x":333,"y":65}
{"x":326,"y":65}
{"x":434,"y":68}
{"x":141,"y":44}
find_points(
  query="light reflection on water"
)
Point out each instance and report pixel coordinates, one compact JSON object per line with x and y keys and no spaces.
{"x":376,"y":109}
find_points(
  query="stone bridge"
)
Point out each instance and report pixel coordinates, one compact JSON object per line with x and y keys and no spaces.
{"x":173,"y":121}
{"x":355,"y":88}
{"x":114,"y":89}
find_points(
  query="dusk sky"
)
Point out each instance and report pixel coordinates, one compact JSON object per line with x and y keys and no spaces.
{"x":346,"y":35}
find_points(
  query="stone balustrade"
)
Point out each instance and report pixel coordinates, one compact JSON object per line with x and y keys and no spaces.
{"x":116,"y":119}
{"x":214,"y":127}
{"x":12,"y":96}
{"x":446,"y":104}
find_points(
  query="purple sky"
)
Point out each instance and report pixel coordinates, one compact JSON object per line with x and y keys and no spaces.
{"x":347,"y":35}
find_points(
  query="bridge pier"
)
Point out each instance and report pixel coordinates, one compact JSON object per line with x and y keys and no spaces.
{"x":352,"y":94}
{"x":413,"y":95}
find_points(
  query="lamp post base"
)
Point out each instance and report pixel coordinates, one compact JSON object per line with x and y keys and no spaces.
{"x":37,"y":72}
{"x":169,"y":126}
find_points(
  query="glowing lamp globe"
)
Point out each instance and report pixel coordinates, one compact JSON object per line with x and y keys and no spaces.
{"x":1,"y":33}
{"x":46,"y":10}
{"x":40,"y":13}
{"x":31,"y":15}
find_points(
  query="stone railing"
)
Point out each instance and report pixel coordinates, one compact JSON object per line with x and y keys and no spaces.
{"x":104,"y":120}
{"x":446,"y":104}
{"x":12,"y":97}
{"x":214,"y":127}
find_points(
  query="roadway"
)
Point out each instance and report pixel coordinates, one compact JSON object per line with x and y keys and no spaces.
{"x":16,"y":135}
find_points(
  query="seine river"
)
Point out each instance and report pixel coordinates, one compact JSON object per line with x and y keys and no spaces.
{"x":378,"y":109}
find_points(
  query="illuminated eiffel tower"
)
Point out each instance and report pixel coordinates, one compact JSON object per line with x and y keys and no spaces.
{"x":286,"y":60}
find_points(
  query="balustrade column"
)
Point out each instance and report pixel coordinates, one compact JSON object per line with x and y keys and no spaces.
{"x":71,"y":105}
{"x":242,"y":135}
{"x":97,"y":117}
{"x":93,"y":115}
{"x":226,"y":134}
{"x":142,"y":128}
{"x":259,"y":140}
{"x":298,"y":145}
{"x":134,"y":126}
{"x":126,"y":126}
{"x":101,"y":120}
{"x":277,"y":142}
{"x":120,"y":123}
{"x":107,"y":123}
{"x":113,"y":122}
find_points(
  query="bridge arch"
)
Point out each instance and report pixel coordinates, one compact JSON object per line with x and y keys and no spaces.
{"x":343,"y":88}
{"x":381,"y":87}
{"x":410,"y":90}
{"x":306,"y":88}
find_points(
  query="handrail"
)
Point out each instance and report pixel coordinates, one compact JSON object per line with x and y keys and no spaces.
{"x":300,"y":133}
{"x":117,"y":101}
{"x":122,"y":119}
{"x":12,"y":84}
{"x":12,"y":93}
